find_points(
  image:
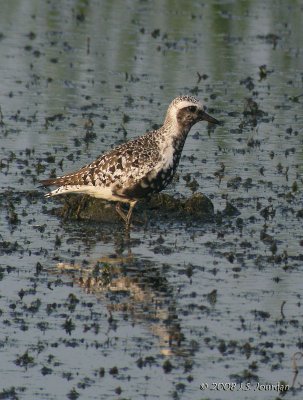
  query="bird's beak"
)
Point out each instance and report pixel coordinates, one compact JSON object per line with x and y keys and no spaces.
{"x":205,"y":117}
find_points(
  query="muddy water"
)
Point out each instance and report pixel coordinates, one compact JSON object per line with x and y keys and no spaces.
{"x":86,"y":312}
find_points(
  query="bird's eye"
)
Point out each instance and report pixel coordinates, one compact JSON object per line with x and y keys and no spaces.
{"x":192,"y":108}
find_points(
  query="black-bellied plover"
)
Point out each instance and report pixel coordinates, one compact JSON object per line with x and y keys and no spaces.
{"x":140,"y":167}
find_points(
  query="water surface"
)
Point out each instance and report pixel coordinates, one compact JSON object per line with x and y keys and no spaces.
{"x":182,"y":303}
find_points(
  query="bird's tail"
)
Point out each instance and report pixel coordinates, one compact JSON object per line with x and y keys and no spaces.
{"x":51,"y":182}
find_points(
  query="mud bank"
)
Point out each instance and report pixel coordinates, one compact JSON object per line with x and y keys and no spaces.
{"x":197,"y":207}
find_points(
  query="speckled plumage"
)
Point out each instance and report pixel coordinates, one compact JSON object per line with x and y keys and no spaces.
{"x":140,"y":167}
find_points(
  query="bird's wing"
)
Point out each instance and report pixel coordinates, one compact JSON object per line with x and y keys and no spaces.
{"x":122,"y":166}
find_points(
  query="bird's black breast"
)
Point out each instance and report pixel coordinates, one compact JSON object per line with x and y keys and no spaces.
{"x":154,"y":182}
{"x":150,"y":184}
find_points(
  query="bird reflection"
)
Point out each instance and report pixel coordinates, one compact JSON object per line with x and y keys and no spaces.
{"x":136,"y":288}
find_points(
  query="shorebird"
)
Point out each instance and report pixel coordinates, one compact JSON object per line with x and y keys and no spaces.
{"x":137,"y":168}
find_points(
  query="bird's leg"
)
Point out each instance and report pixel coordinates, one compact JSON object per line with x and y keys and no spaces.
{"x":126,"y":217}
{"x":120,"y":212}
{"x":129,"y":214}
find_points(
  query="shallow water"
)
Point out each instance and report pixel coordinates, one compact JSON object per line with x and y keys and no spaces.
{"x":179,"y":304}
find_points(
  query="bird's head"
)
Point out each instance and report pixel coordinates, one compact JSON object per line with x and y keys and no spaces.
{"x":185,"y":111}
